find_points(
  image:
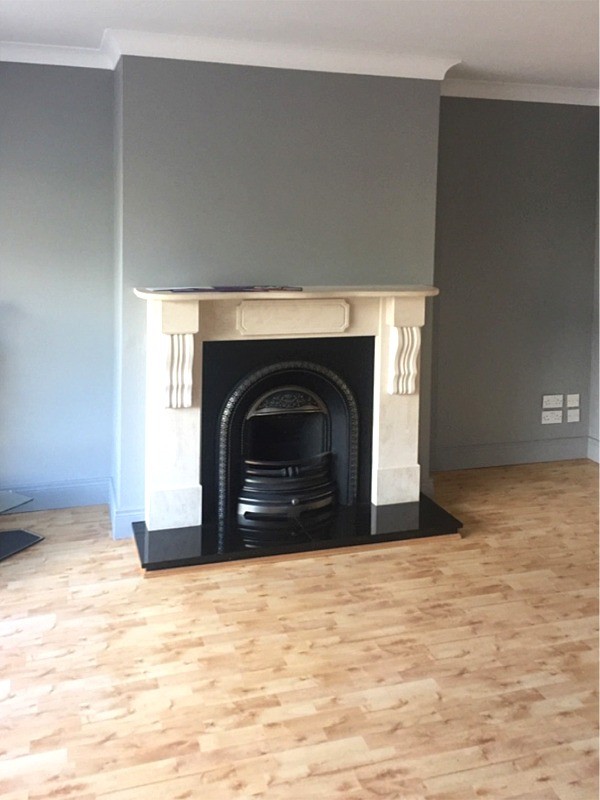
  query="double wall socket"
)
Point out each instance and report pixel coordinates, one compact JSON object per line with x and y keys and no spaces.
{"x":552,"y":408}
{"x":552,"y":401}
{"x":552,"y":417}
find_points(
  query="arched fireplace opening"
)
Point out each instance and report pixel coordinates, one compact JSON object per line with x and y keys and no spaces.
{"x":286,"y":424}
{"x":286,"y":457}
{"x":288,"y":444}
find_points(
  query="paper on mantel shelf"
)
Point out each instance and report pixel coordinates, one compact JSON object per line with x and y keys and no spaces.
{"x":178,"y":289}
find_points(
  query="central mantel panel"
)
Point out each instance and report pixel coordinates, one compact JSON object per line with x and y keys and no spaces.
{"x":181,"y":320}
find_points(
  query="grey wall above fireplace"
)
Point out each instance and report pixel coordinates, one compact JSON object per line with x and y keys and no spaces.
{"x":252,"y":175}
{"x":237,"y":174}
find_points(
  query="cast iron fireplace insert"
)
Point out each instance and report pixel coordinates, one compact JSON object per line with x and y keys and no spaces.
{"x":333,"y":379}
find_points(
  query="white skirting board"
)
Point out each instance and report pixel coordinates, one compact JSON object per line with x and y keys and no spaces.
{"x":506,"y":453}
{"x":123,"y":520}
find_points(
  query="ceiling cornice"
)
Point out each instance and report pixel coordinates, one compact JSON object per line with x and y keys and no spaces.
{"x":523,"y":92}
{"x":270,"y":54}
{"x":117,"y":43}
{"x":24,"y":53}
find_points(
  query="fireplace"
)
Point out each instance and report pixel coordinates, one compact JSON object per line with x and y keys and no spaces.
{"x":281,"y":420}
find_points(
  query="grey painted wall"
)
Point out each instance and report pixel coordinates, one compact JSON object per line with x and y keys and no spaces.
{"x":55,"y":282}
{"x":251,"y":175}
{"x":515,"y":266}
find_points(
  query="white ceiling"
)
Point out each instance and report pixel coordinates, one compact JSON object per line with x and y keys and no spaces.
{"x":547,"y":48}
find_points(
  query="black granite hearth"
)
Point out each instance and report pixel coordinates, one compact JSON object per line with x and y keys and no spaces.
{"x":347,"y":526}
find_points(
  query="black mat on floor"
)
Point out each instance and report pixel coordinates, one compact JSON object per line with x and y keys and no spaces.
{"x":12,"y":542}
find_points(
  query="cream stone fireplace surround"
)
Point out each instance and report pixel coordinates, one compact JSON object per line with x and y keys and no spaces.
{"x":180,"y":321}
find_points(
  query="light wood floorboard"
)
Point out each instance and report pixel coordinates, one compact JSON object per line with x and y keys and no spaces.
{"x":455,"y":668}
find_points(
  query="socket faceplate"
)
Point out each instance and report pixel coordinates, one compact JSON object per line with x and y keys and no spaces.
{"x":552,"y":417}
{"x":552,"y":401}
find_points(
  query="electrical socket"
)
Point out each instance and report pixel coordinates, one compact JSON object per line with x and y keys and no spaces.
{"x":572,"y":401}
{"x":552,"y":401}
{"x":572,"y":415}
{"x":552,"y":417}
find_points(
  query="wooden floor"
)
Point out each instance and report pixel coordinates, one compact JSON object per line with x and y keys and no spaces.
{"x":447,"y":669}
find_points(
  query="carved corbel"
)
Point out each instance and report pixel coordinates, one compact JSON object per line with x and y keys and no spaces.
{"x":179,"y":324}
{"x":403,"y":367}
{"x":404,"y":318}
{"x":179,"y":370}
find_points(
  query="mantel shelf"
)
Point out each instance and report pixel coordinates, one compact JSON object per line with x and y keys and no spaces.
{"x":307,"y":291}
